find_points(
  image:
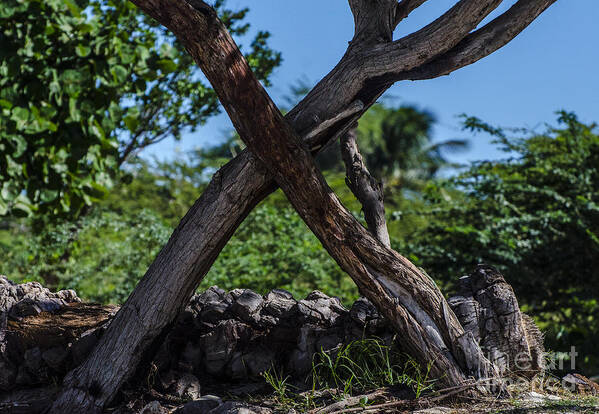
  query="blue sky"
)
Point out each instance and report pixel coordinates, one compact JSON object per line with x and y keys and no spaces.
{"x":553,"y":64}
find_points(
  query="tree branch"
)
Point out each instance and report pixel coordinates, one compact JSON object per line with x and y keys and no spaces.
{"x":432,"y":40}
{"x":374,"y":20}
{"x":404,"y":8}
{"x":367,"y":190}
{"x":482,"y":42}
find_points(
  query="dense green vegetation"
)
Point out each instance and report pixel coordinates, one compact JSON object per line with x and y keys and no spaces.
{"x":86,"y":84}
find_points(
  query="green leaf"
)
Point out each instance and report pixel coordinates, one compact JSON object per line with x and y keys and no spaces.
{"x":74,"y":110}
{"x":82,"y":50}
{"x":20,"y":116}
{"x":119,"y":73}
{"x":20,"y":146}
{"x":5,"y":104}
{"x":167,"y":65}
{"x":47,"y":196}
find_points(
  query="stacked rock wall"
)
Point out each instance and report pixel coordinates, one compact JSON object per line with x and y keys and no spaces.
{"x":221,"y":337}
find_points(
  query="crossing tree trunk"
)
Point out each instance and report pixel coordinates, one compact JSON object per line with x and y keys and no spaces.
{"x":372,"y":63}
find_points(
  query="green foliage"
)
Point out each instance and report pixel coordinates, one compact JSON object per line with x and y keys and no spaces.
{"x":355,"y":368}
{"x":273,"y":248}
{"x":101,"y":255}
{"x":534,"y":215}
{"x":365,"y":365}
{"x":83,"y":85}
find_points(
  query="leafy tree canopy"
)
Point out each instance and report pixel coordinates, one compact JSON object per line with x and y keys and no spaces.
{"x":84,"y":84}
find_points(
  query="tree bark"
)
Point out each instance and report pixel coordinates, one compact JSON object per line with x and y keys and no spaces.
{"x":367,"y":190}
{"x":332,"y":106}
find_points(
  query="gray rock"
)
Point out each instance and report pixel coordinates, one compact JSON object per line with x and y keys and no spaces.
{"x":300,"y":362}
{"x":33,"y":359}
{"x":8,"y":374}
{"x":212,"y":305}
{"x":24,"y":377}
{"x":247,"y":305}
{"x":55,"y":357}
{"x":234,"y":407}
{"x":279,"y":304}
{"x":259,"y":360}
{"x":200,"y":406}
{"x":320,"y":309}
{"x":25,"y":307}
{"x":329,"y":342}
{"x":153,"y":407}
{"x":237,"y":369}
{"x":219,"y":344}
{"x":191,"y":357}
{"x":363,"y":311}
{"x":188,"y":387}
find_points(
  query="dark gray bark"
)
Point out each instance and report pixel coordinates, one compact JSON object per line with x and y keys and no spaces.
{"x":362,"y":75}
{"x":487,"y":308}
{"x":366,"y":188}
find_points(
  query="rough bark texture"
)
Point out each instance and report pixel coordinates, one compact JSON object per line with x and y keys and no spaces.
{"x":356,"y":82}
{"x":366,"y":188}
{"x":487,"y":307}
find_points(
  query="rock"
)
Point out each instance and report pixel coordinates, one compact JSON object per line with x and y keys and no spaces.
{"x":320,"y":309}
{"x":219,"y":336}
{"x":246,"y":306}
{"x":200,"y":406}
{"x":234,"y":407}
{"x":8,"y":374}
{"x":153,"y":407}
{"x":259,"y":360}
{"x":580,"y":384}
{"x":212,"y":305}
{"x":363,"y":311}
{"x":55,"y":357}
{"x":435,"y":410}
{"x":237,"y":368}
{"x":187,"y":387}
{"x":191,"y":357}
{"x":219,"y":344}
{"x":279,"y":304}
{"x":300,"y":362}
{"x":25,"y":307}
{"x":33,"y":359}
{"x":25,"y":377}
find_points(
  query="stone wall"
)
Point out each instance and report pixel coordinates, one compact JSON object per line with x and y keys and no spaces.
{"x":221,"y":337}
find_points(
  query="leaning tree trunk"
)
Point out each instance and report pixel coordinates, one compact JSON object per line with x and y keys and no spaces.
{"x":367,"y":69}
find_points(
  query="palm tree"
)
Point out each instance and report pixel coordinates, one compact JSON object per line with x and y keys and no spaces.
{"x":398,"y":147}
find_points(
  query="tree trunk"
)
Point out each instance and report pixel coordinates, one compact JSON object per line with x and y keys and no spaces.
{"x":364,"y":73}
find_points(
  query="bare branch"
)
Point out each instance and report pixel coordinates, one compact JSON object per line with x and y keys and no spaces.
{"x":367,"y":190}
{"x":404,"y":8}
{"x":482,"y":42}
{"x":434,"y":39}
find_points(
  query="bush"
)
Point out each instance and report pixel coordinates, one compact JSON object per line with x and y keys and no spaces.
{"x":534,"y":215}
